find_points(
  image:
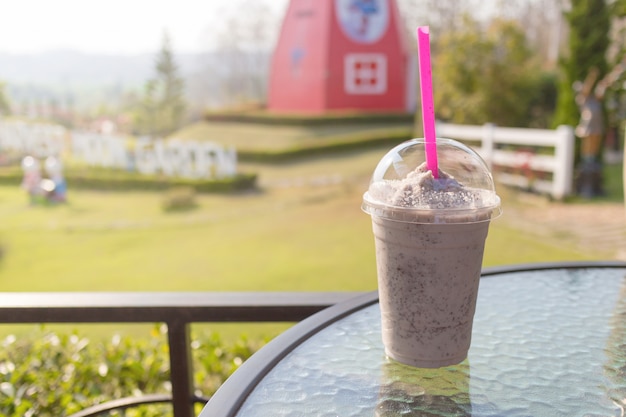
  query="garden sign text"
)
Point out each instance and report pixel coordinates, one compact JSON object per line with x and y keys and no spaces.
{"x":172,"y":157}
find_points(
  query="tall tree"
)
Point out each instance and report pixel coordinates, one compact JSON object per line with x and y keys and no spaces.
{"x":440,"y":15}
{"x":616,"y":95}
{"x":236,"y":73}
{"x":484,"y":75}
{"x":162,"y":108}
{"x":619,"y":8}
{"x":542,"y":22}
{"x":589,"y":25}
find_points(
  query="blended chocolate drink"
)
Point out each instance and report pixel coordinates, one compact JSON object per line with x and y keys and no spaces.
{"x":429,"y":236}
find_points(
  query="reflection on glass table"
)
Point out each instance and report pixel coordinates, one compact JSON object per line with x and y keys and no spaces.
{"x":547,"y":341}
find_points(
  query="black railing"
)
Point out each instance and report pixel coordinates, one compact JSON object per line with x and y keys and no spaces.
{"x":178,"y":310}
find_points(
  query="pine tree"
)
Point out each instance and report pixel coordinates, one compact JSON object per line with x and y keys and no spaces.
{"x":162,"y":109}
{"x":589,"y":25}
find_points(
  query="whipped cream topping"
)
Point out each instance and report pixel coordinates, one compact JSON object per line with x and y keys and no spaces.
{"x":420,"y":190}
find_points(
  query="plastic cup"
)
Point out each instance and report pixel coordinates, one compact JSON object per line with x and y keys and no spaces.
{"x":429,"y":240}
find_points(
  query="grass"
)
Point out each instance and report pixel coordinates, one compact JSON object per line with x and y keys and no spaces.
{"x":269,"y":137}
{"x":300,"y":237}
{"x":302,"y":231}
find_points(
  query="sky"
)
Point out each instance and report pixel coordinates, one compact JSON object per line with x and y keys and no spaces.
{"x":114,"y":26}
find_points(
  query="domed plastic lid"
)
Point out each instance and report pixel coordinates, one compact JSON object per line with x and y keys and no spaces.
{"x":403,"y":189}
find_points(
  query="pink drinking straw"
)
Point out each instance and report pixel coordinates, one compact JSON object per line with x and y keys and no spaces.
{"x":428,"y":105}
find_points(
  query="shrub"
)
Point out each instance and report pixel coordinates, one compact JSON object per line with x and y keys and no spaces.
{"x":355,"y":141}
{"x":117,"y":180}
{"x":337,"y":118}
{"x":55,"y":375}
{"x":179,"y":198}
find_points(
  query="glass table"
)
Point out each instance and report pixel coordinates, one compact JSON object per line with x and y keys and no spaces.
{"x":548,"y":340}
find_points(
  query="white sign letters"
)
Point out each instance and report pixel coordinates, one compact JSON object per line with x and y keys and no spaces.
{"x":39,"y":140}
{"x":172,"y":158}
{"x":184,"y":159}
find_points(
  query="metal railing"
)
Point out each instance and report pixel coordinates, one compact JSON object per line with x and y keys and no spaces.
{"x":178,"y":310}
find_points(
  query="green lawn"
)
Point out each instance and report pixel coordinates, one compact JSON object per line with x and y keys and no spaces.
{"x":302,"y":231}
{"x":301,"y":237}
{"x":271,"y":137}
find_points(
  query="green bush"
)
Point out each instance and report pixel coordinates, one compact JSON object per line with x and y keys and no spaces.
{"x":270,"y":118}
{"x":55,"y":375}
{"x":179,"y":199}
{"x":342,"y":143}
{"x":119,"y":180}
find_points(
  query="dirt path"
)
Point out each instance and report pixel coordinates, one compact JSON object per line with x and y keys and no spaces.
{"x":598,"y":228}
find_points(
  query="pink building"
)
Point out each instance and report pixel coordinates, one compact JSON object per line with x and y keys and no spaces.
{"x":341,"y":55}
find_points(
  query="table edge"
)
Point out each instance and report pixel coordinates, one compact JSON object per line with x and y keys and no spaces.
{"x":232,"y":394}
{"x":543,"y":266}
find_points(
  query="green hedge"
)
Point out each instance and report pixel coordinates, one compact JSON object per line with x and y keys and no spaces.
{"x":119,"y":180}
{"x":355,"y":141}
{"x":55,"y":375}
{"x":265,"y":117}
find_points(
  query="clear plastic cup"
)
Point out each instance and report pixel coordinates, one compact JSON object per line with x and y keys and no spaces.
{"x":429,"y":237}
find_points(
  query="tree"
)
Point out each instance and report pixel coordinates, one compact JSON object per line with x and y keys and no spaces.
{"x":237,"y":71}
{"x":589,"y":25}
{"x":485,"y":75}
{"x":5,"y":107}
{"x":162,"y":109}
{"x":245,"y":48}
{"x":619,"y":8}
{"x":616,"y":95}
{"x":440,"y":15}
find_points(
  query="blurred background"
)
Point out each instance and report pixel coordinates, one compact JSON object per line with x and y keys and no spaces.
{"x":136,"y":87}
{"x":72,"y":62}
{"x":286,"y":186}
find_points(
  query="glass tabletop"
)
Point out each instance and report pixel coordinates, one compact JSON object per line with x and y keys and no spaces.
{"x":545,"y":343}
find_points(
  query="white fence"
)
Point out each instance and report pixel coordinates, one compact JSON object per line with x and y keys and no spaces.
{"x":527,"y":167}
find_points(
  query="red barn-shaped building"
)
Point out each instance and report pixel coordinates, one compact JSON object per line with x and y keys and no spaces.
{"x":340,"y":55}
